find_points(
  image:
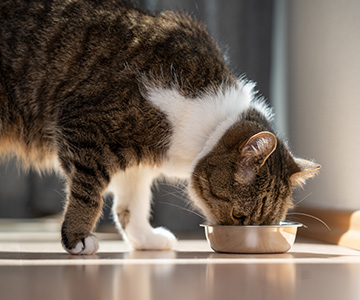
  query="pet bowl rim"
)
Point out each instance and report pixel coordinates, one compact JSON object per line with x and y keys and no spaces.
{"x":281,"y":225}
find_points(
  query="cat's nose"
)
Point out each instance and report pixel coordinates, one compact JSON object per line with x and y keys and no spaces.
{"x":238,"y":217}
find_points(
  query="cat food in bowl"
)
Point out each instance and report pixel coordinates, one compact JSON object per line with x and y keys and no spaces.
{"x":252,"y":238}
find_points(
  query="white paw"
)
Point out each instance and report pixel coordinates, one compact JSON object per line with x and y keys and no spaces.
{"x":86,"y":246}
{"x":157,"y":239}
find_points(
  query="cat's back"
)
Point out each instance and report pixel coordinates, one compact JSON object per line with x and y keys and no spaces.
{"x":48,"y":49}
{"x":37,"y":19}
{"x":43,"y":30}
{"x":67,"y":38}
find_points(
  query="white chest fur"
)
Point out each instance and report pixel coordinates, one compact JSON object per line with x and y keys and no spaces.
{"x":198,"y":123}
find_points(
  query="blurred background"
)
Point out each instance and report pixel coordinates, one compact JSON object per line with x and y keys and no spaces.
{"x":304,"y":57}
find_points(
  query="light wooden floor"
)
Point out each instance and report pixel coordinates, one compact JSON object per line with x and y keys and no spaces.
{"x":34,"y":266}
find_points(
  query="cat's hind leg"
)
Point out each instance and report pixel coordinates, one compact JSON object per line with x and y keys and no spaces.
{"x":132,"y":205}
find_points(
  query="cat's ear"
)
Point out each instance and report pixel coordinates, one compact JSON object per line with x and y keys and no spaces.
{"x":303,"y":170}
{"x":258,"y":148}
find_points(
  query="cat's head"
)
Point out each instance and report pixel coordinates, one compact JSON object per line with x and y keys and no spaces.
{"x":248,"y":178}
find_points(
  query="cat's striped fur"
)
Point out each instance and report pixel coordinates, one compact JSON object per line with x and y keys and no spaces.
{"x":114,"y":97}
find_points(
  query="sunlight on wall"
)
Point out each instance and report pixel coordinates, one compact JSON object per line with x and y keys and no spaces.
{"x":324,"y":96}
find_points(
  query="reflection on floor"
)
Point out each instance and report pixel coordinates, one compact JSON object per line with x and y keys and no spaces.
{"x":34,"y":266}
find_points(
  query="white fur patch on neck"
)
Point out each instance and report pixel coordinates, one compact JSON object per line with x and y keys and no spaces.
{"x":199,"y":123}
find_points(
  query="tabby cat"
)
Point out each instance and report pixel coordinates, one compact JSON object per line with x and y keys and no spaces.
{"x":115,"y":97}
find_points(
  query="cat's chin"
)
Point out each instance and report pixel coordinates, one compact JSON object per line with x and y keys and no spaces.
{"x":200,"y":204}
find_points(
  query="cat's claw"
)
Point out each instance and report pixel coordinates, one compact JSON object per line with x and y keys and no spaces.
{"x":159,"y":239}
{"x":86,"y":246}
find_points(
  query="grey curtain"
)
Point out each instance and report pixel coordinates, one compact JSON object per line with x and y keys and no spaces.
{"x":243,"y":29}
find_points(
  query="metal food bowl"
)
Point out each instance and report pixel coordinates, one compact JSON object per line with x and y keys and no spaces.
{"x":252,"y":238}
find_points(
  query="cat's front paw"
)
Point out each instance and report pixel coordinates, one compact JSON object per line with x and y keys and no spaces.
{"x":157,"y":239}
{"x":85,"y":246}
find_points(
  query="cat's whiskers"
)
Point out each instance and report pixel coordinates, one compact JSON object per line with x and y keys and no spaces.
{"x":310,"y":216}
{"x":181,"y":194}
{"x":108,"y":201}
{"x":179,"y":191}
{"x":176,"y":184}
{"x":182,"y":208}
{"x":304,"y":198}
{"x":177,"y":195}
{"x":200,"y":177}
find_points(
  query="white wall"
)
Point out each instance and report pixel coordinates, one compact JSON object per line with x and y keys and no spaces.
{"x":323,"y":82}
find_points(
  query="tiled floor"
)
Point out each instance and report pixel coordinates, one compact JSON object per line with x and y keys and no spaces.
{"x":34,"y":266}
